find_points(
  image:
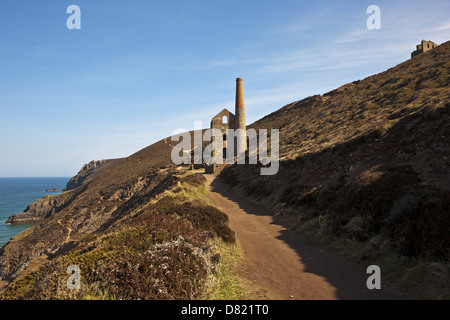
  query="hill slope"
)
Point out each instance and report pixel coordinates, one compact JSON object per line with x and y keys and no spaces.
{"x":367,"y":163}
{"x":89,"y":171}
{"x":402,"y":110}
{"x":109,"y":205}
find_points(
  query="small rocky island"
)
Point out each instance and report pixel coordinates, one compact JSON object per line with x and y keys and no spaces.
{"x":52,"y":190}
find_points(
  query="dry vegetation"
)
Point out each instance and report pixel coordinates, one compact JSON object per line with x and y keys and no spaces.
{"x":365,"y":171}
{"x":167,"y":250}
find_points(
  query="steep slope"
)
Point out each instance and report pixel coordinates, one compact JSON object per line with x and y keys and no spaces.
{"x":368,"y":163}
{"x":89,"y":171}
{"x":49,"y":204}
{"x":410,"y":100}
{"x":165,"y":247}
{"x":121,"y":190}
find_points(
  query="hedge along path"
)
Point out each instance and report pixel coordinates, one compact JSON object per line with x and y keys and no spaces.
{"x":279,"y":261}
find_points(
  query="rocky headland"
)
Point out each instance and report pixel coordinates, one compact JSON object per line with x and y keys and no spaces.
{"x":49,"y":204}
{"x":89,"y":171}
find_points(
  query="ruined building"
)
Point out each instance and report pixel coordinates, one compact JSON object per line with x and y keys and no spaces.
{"x":226,"y":120}
{"x":423,"y":47}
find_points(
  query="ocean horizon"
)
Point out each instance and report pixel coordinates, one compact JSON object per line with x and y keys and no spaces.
{"x":17,"y":193}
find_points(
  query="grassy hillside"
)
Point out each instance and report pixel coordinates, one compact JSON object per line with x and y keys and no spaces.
{"x":365,"y":170}
{"x":93,"y":207}
{"x":141,"y":209}
{"x":173,"y":247}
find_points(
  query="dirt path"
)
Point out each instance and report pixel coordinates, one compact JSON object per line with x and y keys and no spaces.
{"x":69,"y":231}
{"x":278,"y":260}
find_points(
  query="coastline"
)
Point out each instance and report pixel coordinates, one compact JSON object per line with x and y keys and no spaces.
{"x":18,"y":194}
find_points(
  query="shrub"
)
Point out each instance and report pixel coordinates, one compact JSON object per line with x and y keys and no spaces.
{"x":172,"y":270}
{"x":424,"y":229}
{"x":204,"y":218}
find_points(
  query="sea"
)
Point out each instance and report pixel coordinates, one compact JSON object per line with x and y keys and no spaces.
{"x":17,"y":193}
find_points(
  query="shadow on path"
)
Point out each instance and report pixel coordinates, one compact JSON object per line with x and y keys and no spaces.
{"x":348,"y":280}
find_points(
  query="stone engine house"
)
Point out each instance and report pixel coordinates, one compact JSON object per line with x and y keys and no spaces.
{"x":424,"y":46}
{"x":226,"y":120}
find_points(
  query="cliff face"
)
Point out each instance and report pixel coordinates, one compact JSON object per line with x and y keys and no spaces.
{"x":49,"y":204}
{"x":89,"y":171}
{"x":40,"y":209}
{"x":157,"y":244}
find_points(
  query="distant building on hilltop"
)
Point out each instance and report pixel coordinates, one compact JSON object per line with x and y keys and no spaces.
{"x":423,"y":47}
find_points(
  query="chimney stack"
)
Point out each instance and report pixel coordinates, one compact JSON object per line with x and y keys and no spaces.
{"x":240,"y":110}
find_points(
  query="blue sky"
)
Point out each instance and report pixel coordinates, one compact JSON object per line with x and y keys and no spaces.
{"x":139,"y":69}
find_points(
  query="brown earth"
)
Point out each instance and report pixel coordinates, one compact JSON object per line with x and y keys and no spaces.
{"x":279,"y":261}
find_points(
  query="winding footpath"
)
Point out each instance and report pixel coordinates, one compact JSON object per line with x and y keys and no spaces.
{"x":281,"y":263}
{"x":69,"y":231}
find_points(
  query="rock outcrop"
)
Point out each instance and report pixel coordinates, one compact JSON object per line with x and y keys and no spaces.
{"x":49,"y":204}
{"x":89,"y":171}
{"x":40,"y":209}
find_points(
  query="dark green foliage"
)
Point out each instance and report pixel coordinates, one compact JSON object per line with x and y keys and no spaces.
{"x":424,"y":228}
{"x":293,"y":194}
{"x":414,"y":217}
{"x":373,"y":200}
